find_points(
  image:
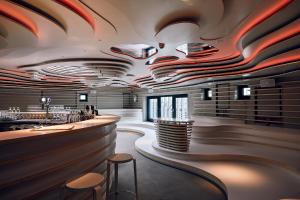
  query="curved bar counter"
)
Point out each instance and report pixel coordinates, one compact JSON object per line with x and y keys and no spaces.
{"x":36,"y":163}
{"x":174,"y":134}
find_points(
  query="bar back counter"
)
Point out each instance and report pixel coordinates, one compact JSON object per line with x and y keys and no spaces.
{"x":36,"y":163}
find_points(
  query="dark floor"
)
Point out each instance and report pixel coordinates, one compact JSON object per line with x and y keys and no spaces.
{"x":157,"y":181}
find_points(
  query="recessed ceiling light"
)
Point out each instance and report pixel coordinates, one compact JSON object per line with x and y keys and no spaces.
{"x":246,"y":75}
{"x":188,"y":2}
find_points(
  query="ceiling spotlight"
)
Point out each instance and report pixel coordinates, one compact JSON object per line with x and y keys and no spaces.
{"x":188,"y":2}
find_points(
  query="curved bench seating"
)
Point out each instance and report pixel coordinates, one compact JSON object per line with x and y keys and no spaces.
{"x":264,"y":171}
{"x":223,"y":134}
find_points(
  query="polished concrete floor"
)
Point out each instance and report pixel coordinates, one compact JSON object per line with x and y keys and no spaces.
{"x":157,"y":181}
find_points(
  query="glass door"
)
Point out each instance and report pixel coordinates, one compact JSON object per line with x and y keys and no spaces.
{"x":171,"y":106}
{"x":181,"y":107}
{"x":166,"y":107}
{"x":152,"y":108}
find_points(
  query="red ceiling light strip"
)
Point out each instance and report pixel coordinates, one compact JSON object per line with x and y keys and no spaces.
{"x":15,"y":14}
{"x":292,"y":31}
{"x":77,"y":8}
{"x":258,"y":19}
{"x":261,"y":17}
{"x":191,"y":62}
{"x":142,"y":77}
{"x":283,"y":59}
{"x":261,"y":66}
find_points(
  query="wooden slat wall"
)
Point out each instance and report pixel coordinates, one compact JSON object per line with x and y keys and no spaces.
{"x":104,"y":99}
{"x":274,"y":106}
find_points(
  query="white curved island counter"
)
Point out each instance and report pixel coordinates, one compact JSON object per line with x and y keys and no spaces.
{"x":36,"y":163}
{"x":174,"y":134}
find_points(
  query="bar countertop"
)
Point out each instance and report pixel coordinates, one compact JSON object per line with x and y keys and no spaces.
{"x":55,"y":129}
{"x":36,"y":163}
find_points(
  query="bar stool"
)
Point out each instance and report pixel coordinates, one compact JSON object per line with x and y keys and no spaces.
{"x":85,"y":182}
{"x":117,"y":159}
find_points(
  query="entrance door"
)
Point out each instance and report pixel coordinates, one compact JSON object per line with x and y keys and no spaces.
{"x":181,"y":107}
{"x":152,"y":108}
{"x":171,"y":106}
{"x":166,"y":107}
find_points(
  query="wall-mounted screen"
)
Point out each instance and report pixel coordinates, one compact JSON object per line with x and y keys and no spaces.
{"x":243,"y":92}
{"x":83,"y":97}
{"x":207,"y":94}
{"x":247,"y":91}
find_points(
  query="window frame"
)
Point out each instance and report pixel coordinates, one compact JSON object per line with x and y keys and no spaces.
{"x":158,"y":97}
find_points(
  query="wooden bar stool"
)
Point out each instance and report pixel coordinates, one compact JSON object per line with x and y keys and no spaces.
{"x":117,"y":159}
{"x":88,"y":181}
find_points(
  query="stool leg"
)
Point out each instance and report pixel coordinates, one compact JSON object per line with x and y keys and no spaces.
{"x":94,"y":194}
{"x":62,"y":193}
{"x":116,"y":178}
{"x":135,"y":180}
{"x":107,"y":179}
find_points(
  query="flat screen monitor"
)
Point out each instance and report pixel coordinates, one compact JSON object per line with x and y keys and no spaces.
{"x":83,"y":97}
{"x":246,"y":91}
{"x":243,"y":92}
{"x":207,"y":94}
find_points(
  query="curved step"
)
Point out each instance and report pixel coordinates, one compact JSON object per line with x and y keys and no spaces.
{"x":262,"y":179}
{"x":223,"y":156}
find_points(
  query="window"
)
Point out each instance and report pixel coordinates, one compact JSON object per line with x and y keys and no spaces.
{"x":207,"y":94}
{"x":83,"y":97}
{"x":152,"y":109}
{"x":170,"y":106}
{"x":243,"y":92}
{"x":166,"y":107}
{"x":182,"y":108}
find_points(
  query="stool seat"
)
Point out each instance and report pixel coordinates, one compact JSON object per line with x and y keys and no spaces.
{"x":115,"y":160}
{"x":120,"y":158}
{"x":89,"y":180}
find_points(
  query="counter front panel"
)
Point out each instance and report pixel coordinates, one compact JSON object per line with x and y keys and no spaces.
{"x":37,"y":164}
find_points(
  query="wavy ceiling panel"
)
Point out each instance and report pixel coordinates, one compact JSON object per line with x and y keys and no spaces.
{"x":76,"y":7}
{"x":290,"y":57}
{"x":67,"y":53}
{"x":12,"y":12}
{"x":39,"y":11}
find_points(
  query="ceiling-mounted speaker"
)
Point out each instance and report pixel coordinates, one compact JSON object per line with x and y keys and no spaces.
{"x":161,"y":45}
{"x":264,"y":83}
